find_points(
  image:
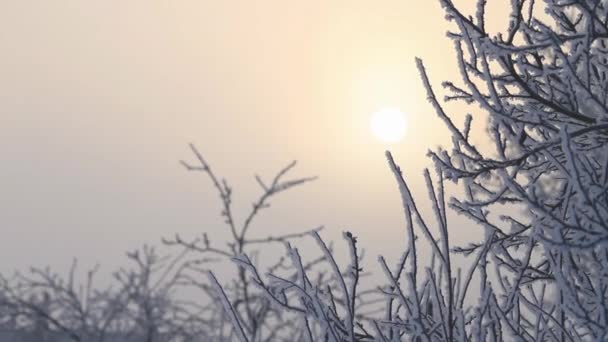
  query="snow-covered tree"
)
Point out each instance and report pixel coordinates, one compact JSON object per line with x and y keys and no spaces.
{"x":543,"y":85}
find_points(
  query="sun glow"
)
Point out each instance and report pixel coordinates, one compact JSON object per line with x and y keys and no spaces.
{"x":388,"y":125}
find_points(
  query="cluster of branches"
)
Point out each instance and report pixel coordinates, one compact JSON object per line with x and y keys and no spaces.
{"x":543,"y":84}
{"x":140,"y":304}
{"x":251,"y":311}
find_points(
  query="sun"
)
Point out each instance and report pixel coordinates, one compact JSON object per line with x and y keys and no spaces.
{"x":388,"y":125}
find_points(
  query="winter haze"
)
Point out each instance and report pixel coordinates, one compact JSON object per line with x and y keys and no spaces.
{"x":99,"y":100}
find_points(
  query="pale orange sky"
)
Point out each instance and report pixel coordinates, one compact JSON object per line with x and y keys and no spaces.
{"x":99,"y":99}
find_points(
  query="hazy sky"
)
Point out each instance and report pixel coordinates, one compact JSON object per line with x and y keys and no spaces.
{"x":99,"y":99}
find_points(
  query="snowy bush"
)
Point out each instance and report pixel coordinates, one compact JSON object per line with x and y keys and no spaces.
{"x":139,"y":305}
